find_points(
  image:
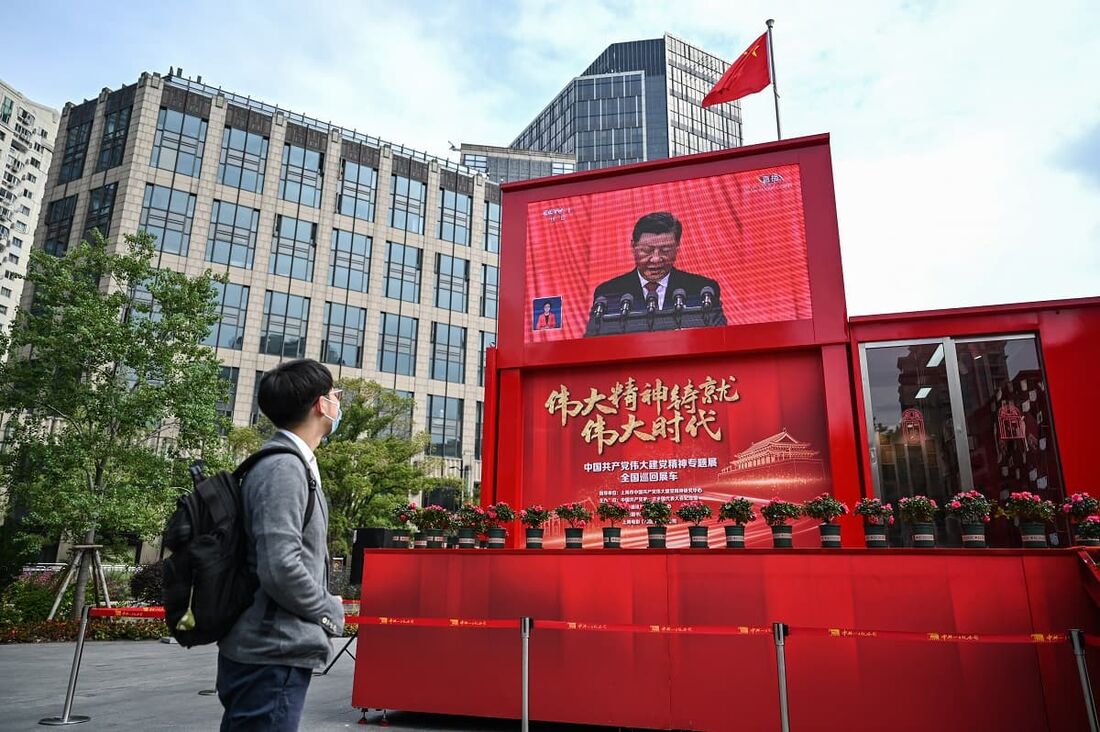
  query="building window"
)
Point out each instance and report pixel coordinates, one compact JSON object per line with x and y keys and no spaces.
{"x":350,"y":256}
{"x":167,"y":214}
{"x":228,"y":332}
{"x":487,"y":339}
{"x":454,"y":216}
{"x":489,"y":284}
{"x":16,"y":243}
{"x":479,"y":427}
{"x":303,"y":176}
{"x":116,"y":126}
{"x":232,"y":234}
{"x":343,"y":340}
{"x":5,"y":291}
{"x":13,"y":258}
{"x":76,"y":147}
{"x":402,"y":272}
{"x":492,"y":226}
{"x":178,"y":143}
{"x":285,"y":326}
{"x":400,"y":425}
{"x":243,"y":160}
{"x":445,"y":426}
{"x":5,"y":111}
{"x":59,"y":224}
{"x":358,"y":187}
{"x":448,"y":353}
{"x":407,"y":202}
{"x":397,"y":345}
{"x":254,"y":415}
{"x":294,"y":248}
{"x":477,"y":162}
{"x":101,"y":204}
{"x":225,"y":408}
{"x":452,"y":282}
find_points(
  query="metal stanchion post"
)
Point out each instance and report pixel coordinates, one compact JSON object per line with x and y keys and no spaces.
{"x":1077,"y":639}
{"x":780,"y":632}
{"x":525,"y":625}
{"x":66,"y":718}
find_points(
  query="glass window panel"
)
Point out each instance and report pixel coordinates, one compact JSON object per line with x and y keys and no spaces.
{"x":452,"y":282}
{"x":397,"y":344}
{"x":403,"y":272}
{"x":349,"y":266}
{"x":228,"y":332}
{"x":489,"y":285}
{"x":101,"y":205}
{"x":168,"y":214}
{"x":285,"y":325}
{"x":445,"y":426}
{"x":342,"y":343}
{"x":116,"y":127}
{"x":294,"y":248}
{"x":358,"y":188}
{"x":448,"y":353}
{"x":302,"y":177}
{"x":408,"y":199}
{"x":179,"y":142}
{"x":454,"y":216}
{"x":233,"y":231}
{"x":243,"y":160}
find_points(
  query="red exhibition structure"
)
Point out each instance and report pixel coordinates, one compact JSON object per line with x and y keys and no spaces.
{"x":678,"y":329}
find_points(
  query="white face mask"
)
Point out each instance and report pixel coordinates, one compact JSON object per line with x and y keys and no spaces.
{"x":339,"y":414}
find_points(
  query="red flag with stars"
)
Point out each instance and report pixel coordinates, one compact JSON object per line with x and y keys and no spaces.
{"x":747,"y":75}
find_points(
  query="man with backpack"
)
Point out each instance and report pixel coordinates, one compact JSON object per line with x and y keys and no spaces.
{"x":266,"y":660}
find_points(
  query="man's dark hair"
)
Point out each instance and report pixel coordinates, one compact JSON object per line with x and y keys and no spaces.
{"x":288,"y":391}
{"x":661,"y":222}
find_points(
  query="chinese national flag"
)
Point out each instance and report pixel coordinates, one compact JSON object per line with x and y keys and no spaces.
{"x":747,"y":75}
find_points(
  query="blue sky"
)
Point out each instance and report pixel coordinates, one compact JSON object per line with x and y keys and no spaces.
{"x":966,"y":135}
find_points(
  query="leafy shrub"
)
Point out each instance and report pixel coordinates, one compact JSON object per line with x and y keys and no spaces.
{"x":779,"y":513}
{"x":612,"y":511}
{"x":824,"y":508}
{"x":30,"y":596}
{"x":693,"y":512}
{"x":738,"y":510}
{"x":98,"y":629}
{"x":147,"y":584}
{"x":656,"y":512}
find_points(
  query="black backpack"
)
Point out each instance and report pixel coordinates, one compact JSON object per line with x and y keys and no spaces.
{"x":207,"y":584}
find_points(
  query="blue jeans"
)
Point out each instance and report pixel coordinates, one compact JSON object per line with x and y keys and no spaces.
{"x":260,"y":697}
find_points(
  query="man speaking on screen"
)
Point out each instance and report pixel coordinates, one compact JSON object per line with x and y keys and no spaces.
{"x":655,"y":287}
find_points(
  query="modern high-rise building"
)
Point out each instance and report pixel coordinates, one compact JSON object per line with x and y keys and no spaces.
{"x":378,"y":260}
{"x":27,"y":132}
{"x":506,"y":164}
{"x":639,"y":100}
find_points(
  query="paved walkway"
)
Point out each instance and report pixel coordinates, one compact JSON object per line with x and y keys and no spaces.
{"x":147,"y":685}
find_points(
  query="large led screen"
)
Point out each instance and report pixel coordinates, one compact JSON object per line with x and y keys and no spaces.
{"x":705,"y":252}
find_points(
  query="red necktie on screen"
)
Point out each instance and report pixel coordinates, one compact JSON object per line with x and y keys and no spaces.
{"x":651,"y":289}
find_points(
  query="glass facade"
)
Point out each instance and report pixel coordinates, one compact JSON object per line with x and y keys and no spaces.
{"x":448,"y":353}
{"x":243,"y":160}
{"x":179,"y":142}
{"x":342,"y":343}
{"x":168,"y":214}
{"x":397,"y":344}
{"x":407,"y":201}
{"x":452,"y":282}
{"x":232,"y":234}
{"x":230,"y":375}
{"x":101,"y":206}
{"x":349,"y":259}
{"x":487,"y":339}
{"x":76,"y":149}
{"x":454,"y":216}
{"x":403,"y":272}
{"x":445,"y":426}
{"x":303,"y":176}
{"x":492,"y":226}
{"x":294,"y":249}
{"x":358,"y":190}
{"x":489,"y":286}
{"x":112,"y":146}
{"x":59,"y":225}
{"x":228,"y":332}
{"x":285,"y":326}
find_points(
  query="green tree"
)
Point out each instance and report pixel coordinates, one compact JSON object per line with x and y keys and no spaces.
{"x":108,"y":392}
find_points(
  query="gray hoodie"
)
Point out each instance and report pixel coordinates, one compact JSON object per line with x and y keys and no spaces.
{"x":292,"y":614}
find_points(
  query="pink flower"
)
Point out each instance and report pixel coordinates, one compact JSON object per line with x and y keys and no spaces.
{"x":1067,"y":508}
{"x":891,"y":521}
{"x":956,"y":504}
{"x":985,"y":519}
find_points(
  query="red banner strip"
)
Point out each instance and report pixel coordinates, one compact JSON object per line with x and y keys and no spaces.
{"x":1035,"y":638}
{"x":431,"y":622}
{"x":1092,"y":640}
{"x":745,"y":630}
{"x":126,"y":612}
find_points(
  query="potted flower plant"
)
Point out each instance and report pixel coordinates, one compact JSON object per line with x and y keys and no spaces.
{"x":826,"y":509}
{"x":658,"y":514}
{"x":533,"y":517}
{"x":920,"y":513}
{"x":577,"y":516}
{"x":434,"y":522}
{"x":1032,"y":513}
{"x":470,"y":520}
{"x":612,"y":512}
{"x":695,"y":512}
{"x":1088,"y":531}
{"x":972,"y":509}
{"x":1077,"y":508}
{"x":876,"y":517}
{"x":496,"y":516}
{"x":778,"y":514}
{"x":739,"y":512}
{"x":403,"y":515}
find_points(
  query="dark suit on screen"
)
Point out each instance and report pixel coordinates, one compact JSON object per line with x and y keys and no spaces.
{"x":692,"y":284}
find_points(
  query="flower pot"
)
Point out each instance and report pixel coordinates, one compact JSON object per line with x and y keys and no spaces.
{"x":420,"y":540}
{"x":875,"y":535}
{"x":497,"y":535}
{"x":467,"y":539}
{"x":830,"y":536}
{"x":612,"y":537}
{"x":1088,"y":542}
{"x":573,"y":538}
{"x":434,"y":538}
{"x":735,"y":537}
{"x":656,"y":536}
{"x":534,"y":538}
{"x":782,"y":536}
{"x":399,"y":540}
{"x":973,"y":536}
{"x":1033,"y":534}
{"x":452,"y":541}
{"x":698,"y":535}
{"x":924,"y":536}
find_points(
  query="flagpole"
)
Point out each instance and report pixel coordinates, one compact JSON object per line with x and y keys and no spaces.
{"x":771,"y":71}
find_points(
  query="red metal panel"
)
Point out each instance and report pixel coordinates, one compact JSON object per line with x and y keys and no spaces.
{"x":489,"y":429}
{"x":842,"y":446}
